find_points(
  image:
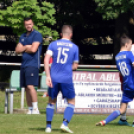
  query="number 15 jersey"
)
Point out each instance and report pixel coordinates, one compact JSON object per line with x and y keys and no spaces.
{"x":64,"y":54}
{"x":124,"y":61}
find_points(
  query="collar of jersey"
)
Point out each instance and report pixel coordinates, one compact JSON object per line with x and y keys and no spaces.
{"x":64,"y":38}
{"x":29,"y":34}
{"x":123,"y":51}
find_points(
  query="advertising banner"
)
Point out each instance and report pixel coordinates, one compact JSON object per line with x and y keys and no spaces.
{"x":96,"y":93}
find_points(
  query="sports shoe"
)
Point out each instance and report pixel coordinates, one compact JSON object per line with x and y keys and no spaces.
{"x":35,"y":111}
{"x":48,"y":130}
{"x":29,"y":112}
{"x":120,"y":122}
{"x":65,"y":129}
{"x":101,"y":123}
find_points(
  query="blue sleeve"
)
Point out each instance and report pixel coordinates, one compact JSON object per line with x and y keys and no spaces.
{"x":76,"y":55}
{"x":38,"y":38}
{"x":131,"y":57}
{"x":20,"y":40}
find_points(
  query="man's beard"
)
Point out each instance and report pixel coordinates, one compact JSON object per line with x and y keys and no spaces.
{"x":29,"y":31}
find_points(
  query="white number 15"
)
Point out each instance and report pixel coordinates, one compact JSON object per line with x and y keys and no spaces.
{"x":62,"y":51}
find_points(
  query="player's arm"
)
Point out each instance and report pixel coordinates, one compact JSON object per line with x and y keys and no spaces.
{"x":133,"y":64}
{"x":46,"y":64}
{"x":75,"y":66}
{"x":76,"y":59}
{"x":20,"y":48}
{"x":131,"y":57}
{"x":32,"y":48}
{"x":46,"y":67}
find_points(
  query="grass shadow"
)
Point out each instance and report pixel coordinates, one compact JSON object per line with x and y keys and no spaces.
{"x":42,"y":112}
{"x":43,"y":129}
{"x":116,"y":124}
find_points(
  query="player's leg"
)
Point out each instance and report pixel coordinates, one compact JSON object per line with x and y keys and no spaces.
{"x":69,"y":93}
{"x":133,"y":124}
{"x":50,"y":113}
{"x":113,"y":115}
{"x":31,"y":93}
{"x":123,"y":120}
{"x":29,"y":101}
{"x":126,"y":97}
{"x":69,"y":111}
{"x":123,"y":117}
{"x":53,"y":92}
{"x":23,"y":84}
{"x":32,"y":77}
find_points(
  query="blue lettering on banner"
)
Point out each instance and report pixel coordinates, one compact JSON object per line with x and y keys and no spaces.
{"x":108,"y":89}
{"x":98,"y":95}
{"x":97,"y":89}
{"x":104,"y":106}
{"x":85,"y":95}
{"x":108,"y":100}
{"x":97,"y":84}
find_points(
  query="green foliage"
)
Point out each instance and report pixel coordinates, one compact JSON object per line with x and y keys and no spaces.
{"x":110,"y":9}
{"x":42,"y":16}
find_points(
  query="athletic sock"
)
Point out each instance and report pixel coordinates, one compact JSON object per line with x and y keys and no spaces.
{"x":112,"y":116}
{"x":68,"y":113}
{"x":35,"y":105}
{"x":49,"y":114}
{"x":123,"y":117}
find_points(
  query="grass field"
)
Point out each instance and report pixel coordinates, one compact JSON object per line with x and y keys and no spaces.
{"x":35,"y":124}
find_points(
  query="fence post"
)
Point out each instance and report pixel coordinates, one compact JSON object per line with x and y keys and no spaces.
{"x":22,"y":97}
{"x":6,"y":101}
{"x":11,"y":102}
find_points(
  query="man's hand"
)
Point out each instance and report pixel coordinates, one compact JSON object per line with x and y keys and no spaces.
{"x":27,"y":48}
{"x":32,"y":48}
{"x":49,"y":82}
{"x":74,"y":66}
{"x":20,"y":48}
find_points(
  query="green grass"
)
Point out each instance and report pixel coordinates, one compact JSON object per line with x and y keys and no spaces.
{"x":35,"y":124}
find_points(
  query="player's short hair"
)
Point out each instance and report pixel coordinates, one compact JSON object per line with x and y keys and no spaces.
{"x":27,"y":19}
{"x":124,"y":40}
{"x":67,"y":29}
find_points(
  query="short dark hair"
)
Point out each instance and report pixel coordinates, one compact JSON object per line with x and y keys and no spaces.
{"x":27,"y":18}
{"x":124,"y":39}
{"x":65,"y":27}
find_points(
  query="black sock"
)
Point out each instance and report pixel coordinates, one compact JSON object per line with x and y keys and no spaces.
{"x":123,"y":120}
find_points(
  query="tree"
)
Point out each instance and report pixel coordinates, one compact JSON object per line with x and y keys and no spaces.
{"x":122,"y":11}
{"x":42,"y":16}
{"x":5,"y":3}
{"x":111,"y":9}
{"x":86,"y":22}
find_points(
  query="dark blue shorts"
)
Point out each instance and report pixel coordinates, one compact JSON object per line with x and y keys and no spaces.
{"x":67,"y":90}
{"x":29,"y":76}
{"x":127,"y":96}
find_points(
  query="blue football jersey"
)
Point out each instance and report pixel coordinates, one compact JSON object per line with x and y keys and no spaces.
{"x":124,"y":61}
{"x":64,"y":54}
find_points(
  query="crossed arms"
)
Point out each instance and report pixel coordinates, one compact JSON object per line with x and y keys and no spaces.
{"x":27,"y":48}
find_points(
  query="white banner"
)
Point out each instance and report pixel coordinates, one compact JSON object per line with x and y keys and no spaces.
{"x":96,"y":93}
